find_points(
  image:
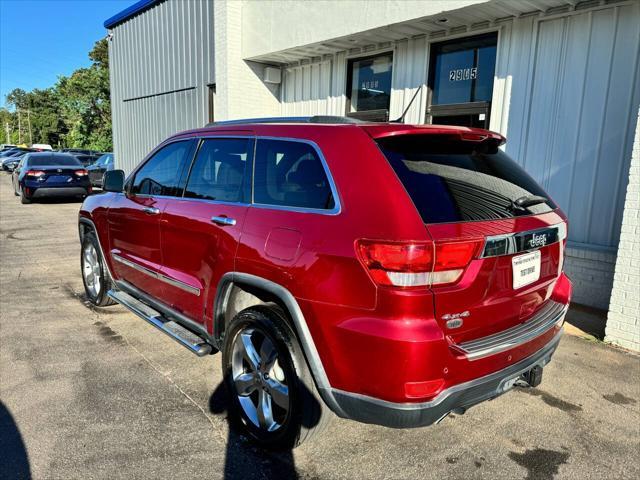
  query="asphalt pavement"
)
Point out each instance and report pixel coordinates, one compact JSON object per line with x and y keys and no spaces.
{"x":99,"y":394}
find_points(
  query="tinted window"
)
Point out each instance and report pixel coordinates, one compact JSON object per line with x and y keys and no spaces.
{"x":104,"y":160}
{"x":463,"y":70}
{"x":219,"y":170}
{"x":370,"y":83}
{"x":48,"y":160}
{"x":450,"y":180}
{"x":161,"y":175}
{"x":290,"y":174}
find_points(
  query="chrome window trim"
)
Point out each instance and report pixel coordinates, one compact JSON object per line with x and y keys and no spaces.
{"x":215,"y":202}
{"x":159,"y":276}
{"x":128,"y":181}
{"x":201,"y":140}
{"x":510,"y":241}
{"x":337,"y":208}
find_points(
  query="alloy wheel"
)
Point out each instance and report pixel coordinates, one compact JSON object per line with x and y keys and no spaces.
{"x":91,"y":269}
{"x":260,"y":382}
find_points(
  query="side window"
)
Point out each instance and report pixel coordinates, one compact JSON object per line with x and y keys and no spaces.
{"x":162,"y":173}
{"x":291,"y":174}
{"x":219,"y":170}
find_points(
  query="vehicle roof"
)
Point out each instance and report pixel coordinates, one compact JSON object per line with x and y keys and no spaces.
{"x":50,"y":155}
{"x":373,"y":129}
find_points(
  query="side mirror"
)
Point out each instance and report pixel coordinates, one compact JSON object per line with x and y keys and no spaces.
{"x":113,"y":181}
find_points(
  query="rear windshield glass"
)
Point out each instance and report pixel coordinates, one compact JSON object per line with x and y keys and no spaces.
{"x":450,"y":180}
{"x":53,"y":160}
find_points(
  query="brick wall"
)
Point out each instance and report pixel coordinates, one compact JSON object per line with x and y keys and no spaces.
{"x":623,"y":321}
{"x":591,"y":272}
{"x":240,"y":91}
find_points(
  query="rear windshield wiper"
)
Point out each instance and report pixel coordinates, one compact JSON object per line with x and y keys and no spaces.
{"x":526,"y":201}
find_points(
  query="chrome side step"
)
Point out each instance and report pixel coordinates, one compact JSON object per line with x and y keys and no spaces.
{"x":184,"y":337}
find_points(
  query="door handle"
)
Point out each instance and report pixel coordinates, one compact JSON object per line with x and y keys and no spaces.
{"x":224,"y":221}
{"x":151,"y":210}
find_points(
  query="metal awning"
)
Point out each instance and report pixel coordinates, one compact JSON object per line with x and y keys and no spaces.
{"x":466,"y":19}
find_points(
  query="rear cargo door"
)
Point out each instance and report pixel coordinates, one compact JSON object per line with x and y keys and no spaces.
{"x":469,"y":191}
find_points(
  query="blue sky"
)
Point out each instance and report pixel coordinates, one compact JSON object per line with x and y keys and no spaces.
{"x":42,"y":39}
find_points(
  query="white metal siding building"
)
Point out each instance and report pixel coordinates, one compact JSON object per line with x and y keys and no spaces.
{"x":559,"y":78}
{"x":162,"y":69}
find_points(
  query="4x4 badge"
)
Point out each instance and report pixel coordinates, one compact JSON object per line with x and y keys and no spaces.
{"x":454,"y":320}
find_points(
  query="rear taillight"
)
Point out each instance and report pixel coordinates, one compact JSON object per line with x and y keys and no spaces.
{"x":413,"y":264}
{"x":81,"y":173}
{"x":397,"y":264}
{"x":35,"y":173}
{"x":451,"y":260}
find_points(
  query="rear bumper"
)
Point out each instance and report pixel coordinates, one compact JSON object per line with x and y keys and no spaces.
{"x":405,"y":415}
{"x":59,"y":192}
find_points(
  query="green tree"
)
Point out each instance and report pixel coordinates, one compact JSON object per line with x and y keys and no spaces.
{"x":85,"y":102}
{"x":75,"y":112}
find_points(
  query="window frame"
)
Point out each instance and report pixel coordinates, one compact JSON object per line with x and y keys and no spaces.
{"x":151,"y":156}
{"x":379,"y":115}
{"x":247,"y":181}
{"x":248,"y":189}
{"x":337,"y":204}
{"x":470,"y":108}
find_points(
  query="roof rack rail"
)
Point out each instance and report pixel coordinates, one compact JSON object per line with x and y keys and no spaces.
{"x":326,"y":119}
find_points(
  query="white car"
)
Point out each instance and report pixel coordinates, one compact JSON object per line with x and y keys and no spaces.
{"x":41,"y":146}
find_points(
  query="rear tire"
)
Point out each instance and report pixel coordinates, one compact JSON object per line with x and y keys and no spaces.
{"x":273,"y":399}
{"x":23,"y":198}
{"x":95,"y":276}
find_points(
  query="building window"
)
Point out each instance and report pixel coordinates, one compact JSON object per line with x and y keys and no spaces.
{"x":369,"y":87}
{"x":461,"y":81}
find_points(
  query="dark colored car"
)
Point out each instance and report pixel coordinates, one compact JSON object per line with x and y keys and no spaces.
{"x":86,"y":157}
{"x":390,"y":273}
{"x":11,"y":162}
{"x":8,"y":156}
{"x":96,"y":170}
{"x":8,"y":152}
{"x":11,"y":151}
{"x":50,"y":174}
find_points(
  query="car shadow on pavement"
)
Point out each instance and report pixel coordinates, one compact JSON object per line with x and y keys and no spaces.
{"x":14,"y":461}
{"x":244,"y":460}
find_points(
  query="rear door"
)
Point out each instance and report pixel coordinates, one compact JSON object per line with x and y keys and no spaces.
{"x":201,"y":230}
{"x":134,"y":217}
{"x":471,"y":193}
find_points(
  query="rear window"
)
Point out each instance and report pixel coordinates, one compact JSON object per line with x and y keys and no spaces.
{"x":450,"y":180}
{"x":53,"y":160}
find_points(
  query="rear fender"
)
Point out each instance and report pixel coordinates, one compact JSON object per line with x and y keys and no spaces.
{"x":268,"y":290}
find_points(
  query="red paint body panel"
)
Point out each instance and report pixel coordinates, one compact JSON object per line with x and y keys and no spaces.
{"x":198,"y":252}
{"x":485,"y":289}
{"x":371,"y":339}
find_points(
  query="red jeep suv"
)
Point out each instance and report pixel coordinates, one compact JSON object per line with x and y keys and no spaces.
{"x":389,"y":273}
